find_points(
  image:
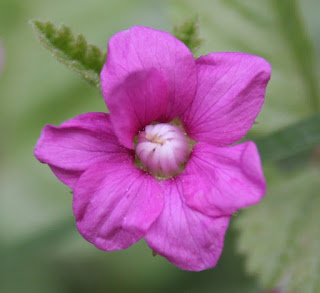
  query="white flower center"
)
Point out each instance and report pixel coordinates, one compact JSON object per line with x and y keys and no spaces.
{"x":162,"y":149}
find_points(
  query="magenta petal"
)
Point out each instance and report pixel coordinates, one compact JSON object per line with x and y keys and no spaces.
{"x":230,"y":94}
{"x":142,"y":48}
{"x":68,"y":177}
{"x":220,"y":181}
{"x":189,"y":239}
{"x":77,"y":144}
{"x":115,"y":203}
{"x":136,"y":102}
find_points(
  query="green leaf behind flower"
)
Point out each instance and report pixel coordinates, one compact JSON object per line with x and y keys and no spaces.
{"x":294,"y":31}
{"x":291,"y":140}
{"x":188,"y":33}
{"x":281,"y":237}
{"x":74,"y":51}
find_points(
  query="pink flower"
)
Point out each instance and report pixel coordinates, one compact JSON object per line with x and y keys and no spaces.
{"x":137,"y":173}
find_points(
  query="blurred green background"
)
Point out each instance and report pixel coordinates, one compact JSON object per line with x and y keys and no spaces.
{"x":40,"y":248}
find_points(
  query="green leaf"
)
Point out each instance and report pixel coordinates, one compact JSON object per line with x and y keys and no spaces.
{"x":74,"y":51}
{"x":281,"y":235}
{"x":294,"y":31}
{"x":291,"y":140}
{"x":188,"y":33}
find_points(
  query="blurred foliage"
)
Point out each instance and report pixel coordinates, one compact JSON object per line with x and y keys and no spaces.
{"x":293,"y":30}
{"x":72,"y":265}
{"x":281,"y":235}
{"x":75,"y":52}
{"x":40,"y":249}
{"x":188,"y":33}
{"x":290,"y":141}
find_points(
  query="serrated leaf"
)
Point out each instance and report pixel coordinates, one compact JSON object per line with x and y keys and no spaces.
{"x":281,"y":235}
{"x":291,"y":140}
{"x":74,"y":51}
{"x":188,"y":33}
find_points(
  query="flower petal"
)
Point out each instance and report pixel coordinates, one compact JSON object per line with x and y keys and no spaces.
{"x":230,"y":94}
{"x":68,"y":177}
{"x":115,"y":203}
{"x":136,"y":102}
{"x":220,"y":181}
{"x":189,"y":239}
{"x":142,"y":48}
{"x":77,"y":144}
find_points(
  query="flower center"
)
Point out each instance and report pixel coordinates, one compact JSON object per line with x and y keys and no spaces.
{"x":162,"y":149}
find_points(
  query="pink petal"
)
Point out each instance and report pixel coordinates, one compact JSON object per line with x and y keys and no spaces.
{"x":77,"y":144}
{"x":189,"y":239}
{"x":136,"y":102}
{"x":115,"y":203}
{"x":142,"y":48}
{"x":230,"y":94}
{"x":220,"y":181}
{"x":68,"y":177}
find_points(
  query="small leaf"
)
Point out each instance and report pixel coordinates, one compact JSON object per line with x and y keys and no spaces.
{"x":83,"y":58}
{"x":188,"y":33}
{"x":291,"y":140}
{"x":281,"y":235}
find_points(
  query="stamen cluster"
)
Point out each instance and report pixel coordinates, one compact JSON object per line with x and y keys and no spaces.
{"x":162,"y":149}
